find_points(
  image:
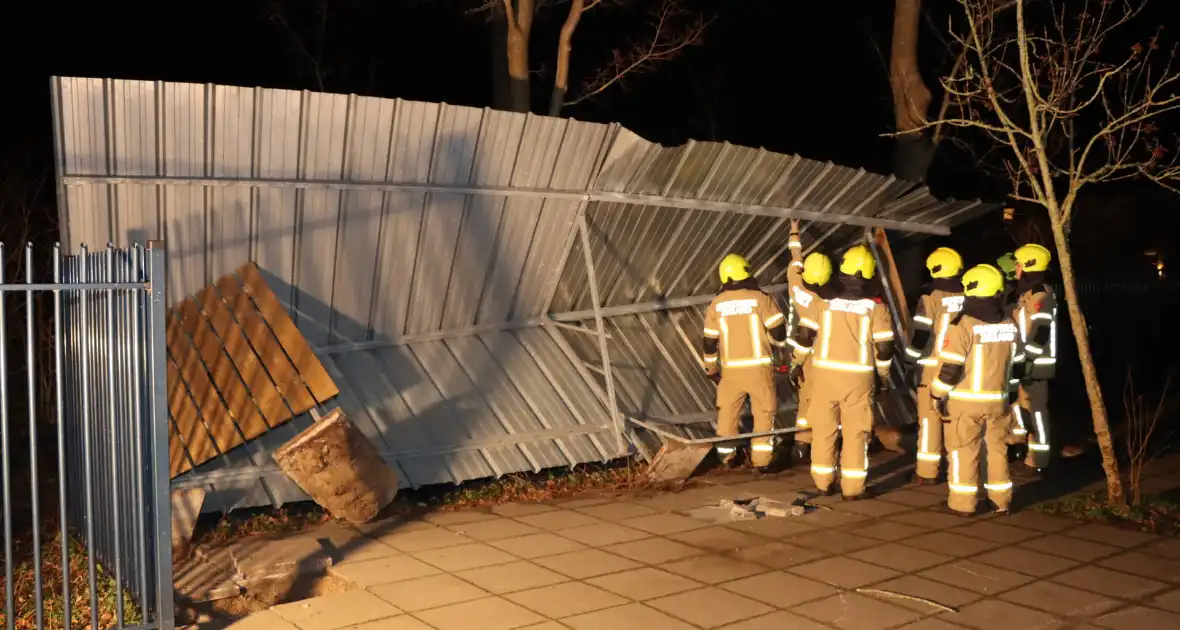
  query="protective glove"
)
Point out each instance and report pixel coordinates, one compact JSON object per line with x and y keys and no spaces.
{"x":940,"y":405}
{"x":715,"y":377}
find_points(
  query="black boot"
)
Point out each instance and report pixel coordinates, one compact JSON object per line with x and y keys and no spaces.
{"x":801,"y":452}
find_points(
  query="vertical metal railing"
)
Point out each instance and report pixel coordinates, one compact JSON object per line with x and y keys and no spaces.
{"x":96,"y":435}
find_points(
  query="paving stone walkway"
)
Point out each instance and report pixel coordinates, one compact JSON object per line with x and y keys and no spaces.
{"x":632,"y":562}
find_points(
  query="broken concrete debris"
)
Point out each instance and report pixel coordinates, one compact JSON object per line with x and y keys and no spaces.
{"x":339,"y":468}
{"x":730,"y":510}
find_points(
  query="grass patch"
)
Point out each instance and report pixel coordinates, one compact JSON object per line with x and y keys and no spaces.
{"x":53,"y":602}
{"x":1153,"y":514}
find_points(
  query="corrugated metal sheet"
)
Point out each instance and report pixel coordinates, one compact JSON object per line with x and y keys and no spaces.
{"x":407,"y":237}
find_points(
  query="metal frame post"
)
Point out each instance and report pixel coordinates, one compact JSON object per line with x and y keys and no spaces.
{"x":600,"y":324}
{"x":158,"y":427}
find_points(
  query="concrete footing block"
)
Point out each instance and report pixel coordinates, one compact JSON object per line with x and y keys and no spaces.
{"x":339,"y":468}
{"x":676,"y":461}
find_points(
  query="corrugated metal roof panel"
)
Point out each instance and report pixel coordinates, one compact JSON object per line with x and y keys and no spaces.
{"x":475,"y":225}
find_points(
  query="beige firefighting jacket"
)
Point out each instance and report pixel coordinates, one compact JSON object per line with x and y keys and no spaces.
{"x":847,"y":337}
{"x":1036,"y":317}
{"x":931,"y":319}
{"x":976,"y":361}
{"x":740,"y":319}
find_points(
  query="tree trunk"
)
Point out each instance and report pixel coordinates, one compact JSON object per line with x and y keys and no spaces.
{"x":564,"y":47}
{"x":1110,"y":462}
{"x":914,"y":151}
{"x":519,"y":16}
{"x":501,"y":82}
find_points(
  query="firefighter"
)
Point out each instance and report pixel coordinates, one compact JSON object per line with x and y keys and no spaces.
{"x":851,"y":349}
{"x":1035,"y":312}
{"x":743,"y":325}
{"x":808,"y":285}
{"x":979,"y":364}
{"x":932,"y":316}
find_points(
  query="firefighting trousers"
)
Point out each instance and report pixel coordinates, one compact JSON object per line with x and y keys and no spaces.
{"x":804,"y":436}
{"x":929,"y":430}
{"x":736,"y":385}
{"x":970,"y":426}
{"x":1030,"y":422}
{"x":840,"y":403}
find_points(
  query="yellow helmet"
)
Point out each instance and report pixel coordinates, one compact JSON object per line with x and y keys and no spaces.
{"x":734,"y":268}
{"x":1033,"y":257}
{"x":983,"y":281}
{"x":944,"y":262}
{"x":860,"y":260}
{"x":817,"y":269}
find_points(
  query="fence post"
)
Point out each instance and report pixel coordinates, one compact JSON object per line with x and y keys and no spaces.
{"x":158,"y":422}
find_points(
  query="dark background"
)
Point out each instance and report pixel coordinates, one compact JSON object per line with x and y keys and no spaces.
{"x":795,"y":76}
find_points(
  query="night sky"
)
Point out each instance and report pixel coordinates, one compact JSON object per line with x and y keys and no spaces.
{"x":796,"y":76}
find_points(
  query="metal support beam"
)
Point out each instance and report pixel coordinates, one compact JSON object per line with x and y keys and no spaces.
{"x":599,"y":323}
{"x":556,"y":319}
{"x":517,"y":191}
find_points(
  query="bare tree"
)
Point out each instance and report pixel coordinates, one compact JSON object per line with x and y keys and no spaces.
{"x":671,"y":30}
{"x":1046,"y":91}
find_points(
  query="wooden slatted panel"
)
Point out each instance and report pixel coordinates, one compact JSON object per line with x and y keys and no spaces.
{"x":306,"y":363}
{"x":238,"y":368}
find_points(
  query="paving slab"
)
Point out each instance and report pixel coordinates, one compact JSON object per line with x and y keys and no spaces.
{"x":566,"y":600}
{"x":710,"y":607}
{"x":586,"y":564}
{"x":338,"y":610}
{"x":662,"y":523}
{"x":1145,"y":565}
{"x":1164,"y":548}
{"x":644,"y":583}
{"x":513,"y":510}
{"x":1108,"y":582}
{"x":558,"y":519}
{"x":831,"y":542}
{"x":989,"y":614}
{"x":1026,"y":561}
{"x":1111,"y":535}
{"x":900,"y":557}
{"x":844,"y":572}
{"x":779,"y":620}
{"x":461,"y":557}
{"x":930,"y":519}
{"x":511,"y":577}
{"x":774,"y":527}
{"x":719,"y":539}
{"x":1065,"y":601}
{"x":537,"y":545}
{"x":490,"y":613}
{"x":423,"y":539}
{"x":1073,"y":548}
{"x":602,"y":534}
{"x":400,"y":622}
{"x":779,"y":589}
{"x":458,"y":517}
{"x":888,"y":530}
{"x":1037,"y":521}
{"x":654,"y":550}
{"x":1138,"y":618}
{"x":200,"y":579}
{"x":398,"y":568}
{"x":777,"y":555}
{"x":494,"y":529}
{"x":618,"y":511}
{"x":428,"y":592}
{"x":996,"y":532}
{"x":629,"y":617}
{"x":713,"y":569}
{"x":850,"y":611}
{"x":265,"y":620}
{"x":261,"y":558}
{"x":912,"y":498}
{"x":1169,"y":601}
{"x":931,"y":623}
{"x":975,"y":576}
{"x":951,"y":544}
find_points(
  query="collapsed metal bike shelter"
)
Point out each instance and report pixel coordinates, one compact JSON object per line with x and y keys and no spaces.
{"x":492,"y":292}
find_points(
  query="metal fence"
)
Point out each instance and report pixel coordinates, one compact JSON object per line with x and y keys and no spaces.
{"x":98,"y":513}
